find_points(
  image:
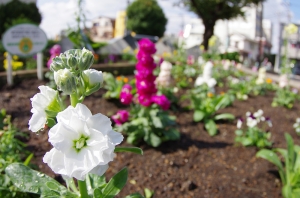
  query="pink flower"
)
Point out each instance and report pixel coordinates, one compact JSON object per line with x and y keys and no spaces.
{"x":145,"y":74}
{"x":125,"y":95}
{"x":54,"y":51}
{"x":145,"y":86}
{"x":162,"y":101}
{"x":140,"y":66}
{"x":147,"y":46}
{"x":120,"y":117}
{"x":145,"y":100}
{"x":144,"y":58}
{"x":126,"y":88}
{"x":190,"y":60}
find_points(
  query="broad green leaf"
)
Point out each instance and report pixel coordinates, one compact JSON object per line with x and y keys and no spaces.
{"x":198,"y":115}
{"x":287,"y":191}
{"x":129,"y":149}
{"x":239,"y":132}
{"x":50,"y":122}
{"x":152,"y":139}
{"x":157,"y":122}
{"x":273,"y":158}
{"x":28,"y":180}
{"x":172,"y":134}
{"x":115,"y":184}
{"x":289,"y":163}
{"x":211,"y":127}
{"x":98,"y":193}
{"x":224,"y":116}
{"x":134,"y":195}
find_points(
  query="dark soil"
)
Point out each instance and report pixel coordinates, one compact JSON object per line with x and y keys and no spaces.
{"x":197,"y":165}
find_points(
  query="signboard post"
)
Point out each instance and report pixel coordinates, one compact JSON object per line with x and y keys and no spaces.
{"x":25,"y":40}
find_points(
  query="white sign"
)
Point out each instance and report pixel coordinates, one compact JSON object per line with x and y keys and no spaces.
{"x":24,"y":40}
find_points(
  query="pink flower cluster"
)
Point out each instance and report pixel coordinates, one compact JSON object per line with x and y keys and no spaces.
{"x":54,"y":51}
{"x":120,"y":117}
{"x":125,"y":95}
{"x":145,"y":79}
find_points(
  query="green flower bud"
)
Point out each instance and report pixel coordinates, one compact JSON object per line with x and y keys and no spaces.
{"x":56,"y":64}
{"x":65,"y":81}
{"x":87,"y":59}
{"x":93,"y":80}
{"x":72,"y":61}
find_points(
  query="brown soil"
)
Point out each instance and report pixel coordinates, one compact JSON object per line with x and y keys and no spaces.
{"x":197,"y":165}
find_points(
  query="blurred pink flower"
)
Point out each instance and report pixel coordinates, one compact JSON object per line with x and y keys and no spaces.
{"x":162,"y":101}
{"x":145,"y":86}
{"x":145,"y":99}
{"x":147,"y":46}
{"x":125,"y":95}
{"x":120,"y":117}
{"x":54,"y":51}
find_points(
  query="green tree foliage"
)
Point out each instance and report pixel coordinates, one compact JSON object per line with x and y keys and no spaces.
{"x":146,"y":17}
{"x":212,"y":10}
{"x":16,"y":12}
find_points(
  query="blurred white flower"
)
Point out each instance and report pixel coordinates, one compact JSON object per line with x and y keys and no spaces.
{"x":206,"y":77}
{"x":251,"y":122}
{"x":83,"y":143}
{"x":93,"y":77}
{"x":40,"y":103}
{"x":239,"y":123}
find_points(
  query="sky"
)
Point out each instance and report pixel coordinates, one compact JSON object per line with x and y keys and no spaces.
{"x":59,"y":14}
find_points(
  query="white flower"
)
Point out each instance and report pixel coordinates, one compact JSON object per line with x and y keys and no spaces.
{"x":83,"y":143}
{"x":298,"y":120}
{"x":251,"y":122}
{"x":93,"y":76}
{"x":40,"y":103}
{"x":239,"y":123}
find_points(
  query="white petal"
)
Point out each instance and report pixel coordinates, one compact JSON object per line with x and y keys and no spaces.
{"x":100,"y":122}
{"x":115,"y":137}
{"x":83,"y":111}
{"x":37,"y":121}
{"x":55,"y":160}
{"x":99,"y":170}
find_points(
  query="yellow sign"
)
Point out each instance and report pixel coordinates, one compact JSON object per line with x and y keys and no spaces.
{"x":120,"y":24}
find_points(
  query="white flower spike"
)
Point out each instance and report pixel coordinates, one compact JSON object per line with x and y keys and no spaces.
{"x":83,"y":143}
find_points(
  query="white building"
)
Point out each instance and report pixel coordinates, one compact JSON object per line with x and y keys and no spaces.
{"x":102,"y":29}
{"x":236,"y":35}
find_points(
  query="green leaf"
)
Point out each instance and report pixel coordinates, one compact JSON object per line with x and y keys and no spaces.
{"x":148,"y":193}
{"x":28,"y":180}
{"x":129,"y":149}
{"x":51,"y":122}
{"x":28,"y":159}
{"x":98,"y":193}
{"x":157,"y":122}
{"x":273,"y":158}
{"x":115,"y":184}
{"x":211,"y":127}
{"x":224,"y":116}
{"x":198,"y":115}
{"x":172,"y":134}
{"x":239,"y":132}
{"x":290,"y":151}
{"x":152,"y":139}
{"x":134,"y":195}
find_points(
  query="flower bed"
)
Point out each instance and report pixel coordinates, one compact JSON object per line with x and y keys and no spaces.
{"x":197,"y":164}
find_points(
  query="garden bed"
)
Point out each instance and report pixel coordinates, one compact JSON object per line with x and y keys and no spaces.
{"x":197,"y":165}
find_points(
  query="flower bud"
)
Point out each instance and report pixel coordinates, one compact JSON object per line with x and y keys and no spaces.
{"x":87,"y":59}
{"x":72,"y":61}
{"x":65,"y":81}
{"x":56,"y":64}
{"x":93,"y":80}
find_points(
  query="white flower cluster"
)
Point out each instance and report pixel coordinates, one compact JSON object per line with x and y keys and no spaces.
{"x":283,"y":80}
{"x":261,"y":76}
{"x":207,"y":76}
{"x":297,"y":126}
{"x":253,"y":119}
{"x":82,"y":143}
{"x":164,"y":77}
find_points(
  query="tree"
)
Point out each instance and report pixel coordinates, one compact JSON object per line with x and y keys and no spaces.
{"x":212,"y":10}
{"x":16,"y":12}
{"x":146,"y":17}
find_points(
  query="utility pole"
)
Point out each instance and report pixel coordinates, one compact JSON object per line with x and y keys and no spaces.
{"x":260,"y":45}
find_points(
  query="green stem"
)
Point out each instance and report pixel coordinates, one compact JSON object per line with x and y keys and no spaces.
{"x":82,"y":189}
{"x":74,"y":99}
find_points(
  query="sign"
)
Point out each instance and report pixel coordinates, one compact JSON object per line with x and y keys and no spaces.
{"x":24,"y":40}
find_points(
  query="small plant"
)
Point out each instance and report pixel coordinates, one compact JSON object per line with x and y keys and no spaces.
{"x":206,"y":104}
{"x":240,"y":88}
{"x":252,"y":135}
{"x":289,"y":171}
{"x":113,"y":85}
{"x":297,"y":126}
{"x":285,"y":97}
{"x":11,"y":151}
